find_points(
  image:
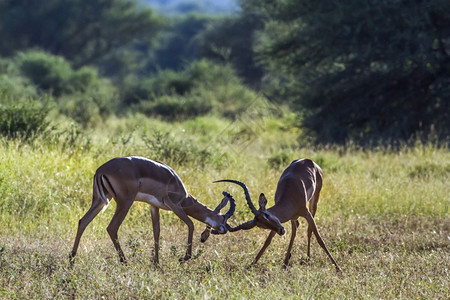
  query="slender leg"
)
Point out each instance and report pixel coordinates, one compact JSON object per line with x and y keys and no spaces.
{"x":310,"y":230}
{"x":183,"y":216}
{"x":294,"y":224}
{"x":122,"y":209}
{"x":312,"y":209}
{"x":93,"y":211}
{"x":156,"y":230}
{"x":308,"y":253}
{"x":311,"y":223}
{"x":266,"y":244}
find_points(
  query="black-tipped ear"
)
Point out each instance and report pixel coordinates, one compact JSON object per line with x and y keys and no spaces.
{"x":262,"y":202}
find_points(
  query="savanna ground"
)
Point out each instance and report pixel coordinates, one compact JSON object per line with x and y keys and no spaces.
{"x":383,"y":213}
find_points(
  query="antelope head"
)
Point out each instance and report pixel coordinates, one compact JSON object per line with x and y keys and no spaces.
{"x":224,"y":229}
{"x":263,"y":217}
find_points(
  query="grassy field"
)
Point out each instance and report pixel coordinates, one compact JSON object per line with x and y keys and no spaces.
{"x":383,"y":213}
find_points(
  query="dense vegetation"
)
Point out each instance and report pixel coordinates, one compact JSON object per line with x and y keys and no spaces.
{"x":373,"y":73}
{"x":362,"y":71}
{"x":362,"y":89}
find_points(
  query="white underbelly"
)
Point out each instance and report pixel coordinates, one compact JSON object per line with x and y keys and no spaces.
{"x":150,"y":199}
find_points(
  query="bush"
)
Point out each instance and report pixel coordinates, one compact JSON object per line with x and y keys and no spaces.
{"x":165,"y":147}
{"x":202,"y":73}
{"x":80,"y":108}
{"x":48,"y":72}
{"x":69,"y":137}
{"x":177,"y":107}
{"x":280,"y":160}
{"x":202,"y":87}
{"x":83,"y":79}
{"x":164,"y":83}
{"x":82,"y":94}
{"x":99,"y":90}
{"x":12,"y":84}
{"x":23,"y":119}
{"x":16,"y":87}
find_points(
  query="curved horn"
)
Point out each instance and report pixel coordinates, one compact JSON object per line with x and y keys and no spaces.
{"x":232,"y":209}
{"x":227,"y":197}
{"x":223,"y":203}
{"x":247,"y":194}
{"x":245,"y":226}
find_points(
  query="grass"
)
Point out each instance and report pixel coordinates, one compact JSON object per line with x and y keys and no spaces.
{"x":384,"y":215}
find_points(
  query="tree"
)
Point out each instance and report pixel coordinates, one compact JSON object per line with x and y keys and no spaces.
{"x":95,"y":32}
{"x":361,"y":70}
{"x":178,"y":44}
{"x":230,"y":39}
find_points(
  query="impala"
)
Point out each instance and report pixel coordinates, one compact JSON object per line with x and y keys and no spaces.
{"x":298,"y":185}
{"x":129,"y":179}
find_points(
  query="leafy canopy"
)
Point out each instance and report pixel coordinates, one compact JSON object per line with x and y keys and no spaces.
{"x":361,"y":70}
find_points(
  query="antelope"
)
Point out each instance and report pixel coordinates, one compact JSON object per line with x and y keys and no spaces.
{"x":299,"y":184}
{"x":132,"y":178}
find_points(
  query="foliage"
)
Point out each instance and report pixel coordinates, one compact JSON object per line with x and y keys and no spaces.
{"x":178,"y":43}
{"x":95,"y":100}
{"x":48,"y":72}
{"x":200,"y":88}
{"x":360,"y":70}
{"x":225,"y":39}
{"x":23,"y":118}
{"x":12,"y":84}
{"x":176,"y":108}
{"x":165,"y":147}
{"x":230,"y":40}
{"x":80,"y":94}
{"x":280,"y":160}
{"x":94,"y":32}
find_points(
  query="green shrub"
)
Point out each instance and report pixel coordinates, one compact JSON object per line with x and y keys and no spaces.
{"x":82,"y":79}
{"x":68,"y":136}
{"x":80,"y":108}
{"x":12,"y":84}
{"x":99,"y":90}
{"x":177,"y":107}
{"x":24,"y":118}
{"x":16,"y":87}
{"x":202,"y":73}
{"x":48,"y":72}
{"x":230,"y":99}
{"x":280,"y":160}
{"x":81,"y":94}
{"x":196,"y":74}
{"x":165,"y":147}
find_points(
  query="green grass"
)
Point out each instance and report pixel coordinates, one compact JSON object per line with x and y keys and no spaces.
{"x":384,"y":215}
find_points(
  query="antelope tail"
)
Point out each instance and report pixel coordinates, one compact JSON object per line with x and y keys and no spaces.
{"x":99,"y":189}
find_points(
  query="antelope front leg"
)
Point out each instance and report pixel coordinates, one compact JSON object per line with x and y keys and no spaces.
{"x":294,"y":224}
{"x":266,"y":244}
{"x":183,"y":216}
{"x":156,"y":230}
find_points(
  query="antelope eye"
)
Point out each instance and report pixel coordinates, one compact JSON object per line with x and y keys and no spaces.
{"x":266,"y":217}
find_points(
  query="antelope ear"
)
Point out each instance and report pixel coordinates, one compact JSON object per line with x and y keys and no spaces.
{"x":262,"y":202}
